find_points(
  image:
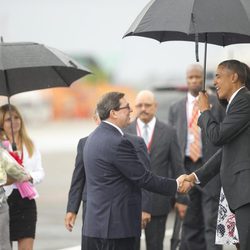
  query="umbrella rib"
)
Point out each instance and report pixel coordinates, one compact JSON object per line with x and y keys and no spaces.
{"x":59,"y":74}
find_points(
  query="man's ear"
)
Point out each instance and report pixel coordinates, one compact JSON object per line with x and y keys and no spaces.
{"x":112,"y":114}
{"x":235,"y":77}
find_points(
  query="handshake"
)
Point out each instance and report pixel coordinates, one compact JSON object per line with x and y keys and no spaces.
{"x":186,"y":182}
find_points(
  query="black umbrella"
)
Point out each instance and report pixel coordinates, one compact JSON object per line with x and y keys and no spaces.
{"x":33,"y":66}
{"x":220,"y":22}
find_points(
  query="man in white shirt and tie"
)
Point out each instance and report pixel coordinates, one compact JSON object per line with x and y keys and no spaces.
{"x":164,"y":151}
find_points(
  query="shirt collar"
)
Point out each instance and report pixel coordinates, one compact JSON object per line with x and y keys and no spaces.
{"x":234,"y":94}
{"x":112,"y":124}
{"x":151,"y":124}
{"x":191,"y":98}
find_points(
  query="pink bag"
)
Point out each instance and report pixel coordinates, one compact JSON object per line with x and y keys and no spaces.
{"x":25,"y":188}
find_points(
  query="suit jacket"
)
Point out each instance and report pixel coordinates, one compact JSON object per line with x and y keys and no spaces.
{"x":233,"y":161}
{"x":166,"y":161}
{"x":115,"y":176}
{"x":77,"y":191}
{"x":178,"y":119}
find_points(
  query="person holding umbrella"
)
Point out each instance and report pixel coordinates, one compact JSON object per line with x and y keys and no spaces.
{"x":199,"y":224}
{"x":232,"y":134}
{"x":23,"y":212}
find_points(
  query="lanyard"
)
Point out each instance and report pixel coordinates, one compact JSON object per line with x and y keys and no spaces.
{"x":140,"y":134}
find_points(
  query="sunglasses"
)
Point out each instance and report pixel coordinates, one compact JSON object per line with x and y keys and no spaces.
{"x":125,"y":107}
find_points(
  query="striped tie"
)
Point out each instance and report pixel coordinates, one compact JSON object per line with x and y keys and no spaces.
{"x":195,"y":146}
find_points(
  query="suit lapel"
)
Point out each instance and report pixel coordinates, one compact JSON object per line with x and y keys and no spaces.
{"x":243,"y":90}
{"x":183,"y":119}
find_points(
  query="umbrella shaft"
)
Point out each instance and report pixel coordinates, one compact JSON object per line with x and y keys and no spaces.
{"x":205,"y":64}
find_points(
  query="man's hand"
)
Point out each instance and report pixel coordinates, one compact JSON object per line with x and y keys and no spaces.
{"x":145,"y":219}
{"x":181,"y":208}
{"x":69,"y":221}
{"x":184,"y":184}
{"x":203,"y":102}
{"x":191,"y":178}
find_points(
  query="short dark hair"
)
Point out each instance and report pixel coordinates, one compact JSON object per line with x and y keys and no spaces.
{"x":247,"y":76}
{"x":237,"y":67}
{"x":108,"y":102}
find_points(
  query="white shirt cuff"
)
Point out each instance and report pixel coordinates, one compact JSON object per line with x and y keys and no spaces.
{"x":197,"y":180}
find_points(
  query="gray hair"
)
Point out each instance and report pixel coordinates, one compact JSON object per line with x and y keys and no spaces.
{"x":108,"y":102}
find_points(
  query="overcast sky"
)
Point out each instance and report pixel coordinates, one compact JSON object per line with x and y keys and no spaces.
{"x":96,"y":27}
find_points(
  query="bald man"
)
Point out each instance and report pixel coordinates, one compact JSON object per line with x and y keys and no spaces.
{"x":165,"y":156}
{"x":198,"y":230}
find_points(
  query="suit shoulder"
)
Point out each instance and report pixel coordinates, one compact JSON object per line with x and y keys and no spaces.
{"x":82,"y":141}
{"x":134,"y":137}
{"x":246,"y":95}
{"x":130,"y":128}
{"x":166,"y":127}
{"x":178,"y":102}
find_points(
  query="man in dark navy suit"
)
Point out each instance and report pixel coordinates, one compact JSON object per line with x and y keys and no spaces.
{"x":77,"y":191}
{"x":114,"y":178}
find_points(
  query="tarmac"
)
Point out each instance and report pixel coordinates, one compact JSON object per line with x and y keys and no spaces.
{"x":57,"y":142}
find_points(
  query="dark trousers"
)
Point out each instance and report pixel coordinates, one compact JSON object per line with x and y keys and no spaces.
{"x":242,"y":215}
{"x":199,"y":225}
{"x":83,"y":218}
{"x":155,"y":232}
{"x":90,"y":243}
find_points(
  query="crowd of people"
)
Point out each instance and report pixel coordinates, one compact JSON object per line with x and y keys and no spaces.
{"x":130,"y":173}
{"x":199,"y":158}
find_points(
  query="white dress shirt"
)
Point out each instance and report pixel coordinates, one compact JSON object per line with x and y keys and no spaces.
{"x":189,"y":111}
{"x":113,"y":125}
{"x":151,"y":127}
{"x":33,"y":165}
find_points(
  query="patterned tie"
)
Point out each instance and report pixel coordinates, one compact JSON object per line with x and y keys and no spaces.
{"x":145,"y":133}
{"x":195,"y":146}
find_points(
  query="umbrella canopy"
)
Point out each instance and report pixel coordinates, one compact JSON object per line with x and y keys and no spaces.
{"x":220,"y":22}
{"x":33,"y":66}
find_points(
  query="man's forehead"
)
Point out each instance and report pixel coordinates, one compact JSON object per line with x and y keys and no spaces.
{"x":222,"y":70}
{"x":145,"y":101}
{"x":194,"y":71}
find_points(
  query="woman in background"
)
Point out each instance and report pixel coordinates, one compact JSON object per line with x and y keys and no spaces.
{"x":10,"y":171}
{"x":23,"y":211}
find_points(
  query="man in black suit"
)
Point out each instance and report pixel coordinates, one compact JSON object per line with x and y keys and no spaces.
{"x":114,"y":178}
{"x":233,"y":135}
{"x":166,"y":160}
{"x":199,"y":225}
